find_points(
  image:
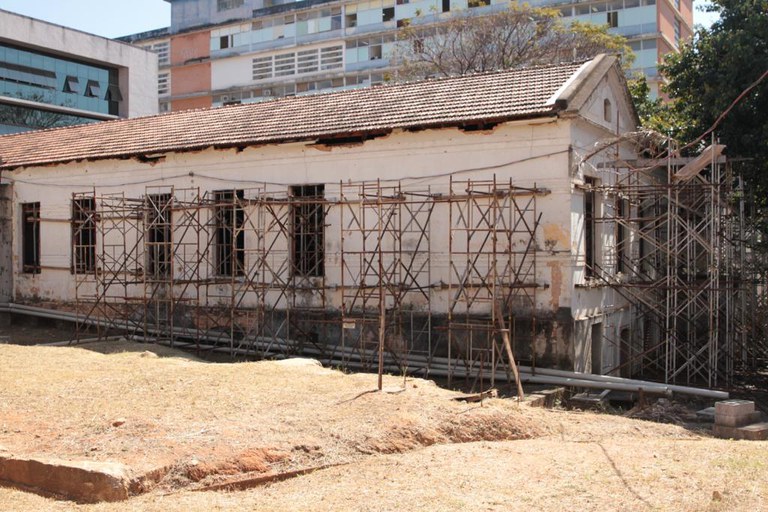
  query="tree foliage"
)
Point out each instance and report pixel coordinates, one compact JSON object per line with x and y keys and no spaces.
{"x":521,"y":35}
{"x":654,"y":113}
{"x":711,"y":73}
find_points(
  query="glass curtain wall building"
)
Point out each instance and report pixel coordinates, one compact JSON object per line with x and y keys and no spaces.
{"x":42,"y":86}
{"x":36,"y":77}
{"x":219,"y":52}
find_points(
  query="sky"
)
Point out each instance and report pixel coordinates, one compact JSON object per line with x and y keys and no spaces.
{"x":699,"y":17}
{"x":113,"y":18}
{"x":106,"y":18}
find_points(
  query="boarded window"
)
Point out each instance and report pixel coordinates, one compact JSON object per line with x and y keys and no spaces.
{"x":30,"y":237}
{"x":158,"y":234}
{"x":83,"y":235}
{"x":230,"y":236}
{"x":308,"y":212}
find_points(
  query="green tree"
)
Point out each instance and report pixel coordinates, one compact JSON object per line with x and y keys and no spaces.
{"x":720,"y":79}
{"x":469,"y":42}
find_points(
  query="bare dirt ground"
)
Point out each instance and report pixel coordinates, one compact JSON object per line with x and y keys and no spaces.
{"x":192,"y":424}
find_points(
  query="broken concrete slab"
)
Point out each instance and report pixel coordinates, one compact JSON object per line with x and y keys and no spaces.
{"x":83,"y":481}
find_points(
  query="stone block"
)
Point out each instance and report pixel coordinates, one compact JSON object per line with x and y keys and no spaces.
{"x":738,"y":421}
{"x":734,"y":408}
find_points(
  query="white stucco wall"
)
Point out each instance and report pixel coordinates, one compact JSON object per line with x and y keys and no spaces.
{"x":545,"y":153}
{"x":593,"y":302}
{"x":531,"y":153}
{"x":138,"y":67}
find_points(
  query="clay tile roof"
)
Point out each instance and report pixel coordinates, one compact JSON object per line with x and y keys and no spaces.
{"x":496,"y":96}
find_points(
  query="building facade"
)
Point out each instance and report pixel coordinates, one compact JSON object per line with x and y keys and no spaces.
{"x":410,"y":216}
{"x":52,"y":76}
{"x":219,"y":51}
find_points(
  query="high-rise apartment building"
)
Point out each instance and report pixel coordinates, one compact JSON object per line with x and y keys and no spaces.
{"x":52,"y":76}
{"x":224,"y":51}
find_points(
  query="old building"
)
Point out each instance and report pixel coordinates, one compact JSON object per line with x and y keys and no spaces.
{"x":418,"y":215}
{"x":55,"y":76}
{"x":219,"y":52}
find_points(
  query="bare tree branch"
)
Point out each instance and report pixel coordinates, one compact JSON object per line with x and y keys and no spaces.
{"x":518,"y":36}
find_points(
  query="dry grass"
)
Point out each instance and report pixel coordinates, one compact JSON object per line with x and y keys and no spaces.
{"x":176,"y":410}
{"x":397,"y":450}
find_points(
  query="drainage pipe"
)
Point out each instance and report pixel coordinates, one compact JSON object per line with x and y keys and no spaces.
{"x":441,"y":367}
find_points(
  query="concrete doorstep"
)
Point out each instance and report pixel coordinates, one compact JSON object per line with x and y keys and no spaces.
{"x":82,"y":481}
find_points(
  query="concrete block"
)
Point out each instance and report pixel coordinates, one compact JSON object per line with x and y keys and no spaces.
{"x":738,"y":421}
{"x":545,"y":398}
{"x":85,"y":481}
{"x":755,"y":432}
{"x":725,"y":432}
{"x":734,"y":408}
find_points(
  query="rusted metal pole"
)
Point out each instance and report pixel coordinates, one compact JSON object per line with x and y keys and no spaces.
{"x":382,"y":296}
{"x":508,"y":347}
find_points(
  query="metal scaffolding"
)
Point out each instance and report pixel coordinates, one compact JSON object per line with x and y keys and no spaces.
{"x":492,"y":269}
{"x":680,"y":260}
{"x":408,"y":279}
{"x":248,"y":270}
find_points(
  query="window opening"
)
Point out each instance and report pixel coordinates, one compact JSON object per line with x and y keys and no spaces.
{"x":589,"y":226}
{"x":83,"y":235}
{"x":596,"y":335}
{"x":93,"y":89}
{"x":158,"y":222}
{"x":225,"y":5}
{"x":622,"y":207}
{"x":350,"y":19}
{"x":30,"y":237}
{"x":113,"y":93}
{"x":163,"y":83}
{"x":607,"y":111}
{"x":230,"y":235}
{"x":71,"y":84}
{"x":388,"y":14}
{"x":613,"y":19}
{"x":308,"y":212}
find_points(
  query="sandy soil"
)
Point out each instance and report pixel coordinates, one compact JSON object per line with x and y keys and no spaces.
{"x":411,"y":448}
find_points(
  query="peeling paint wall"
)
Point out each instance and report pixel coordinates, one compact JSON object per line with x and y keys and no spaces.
{"x":6,"y":243}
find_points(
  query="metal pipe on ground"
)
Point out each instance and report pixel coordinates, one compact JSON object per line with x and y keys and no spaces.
{"x":440,"y":367}
{"x":685,"y":390}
